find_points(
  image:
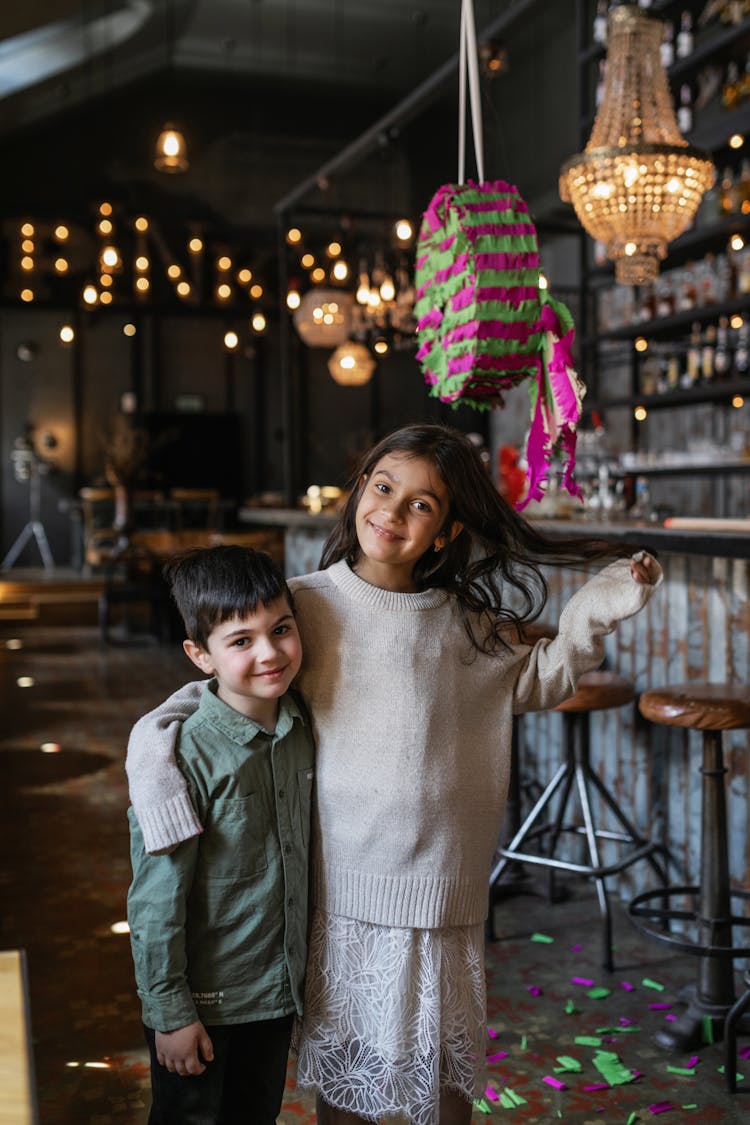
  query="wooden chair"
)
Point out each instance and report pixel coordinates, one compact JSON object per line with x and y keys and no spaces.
{"x":195,"y":508}
{"x":99,"y":535}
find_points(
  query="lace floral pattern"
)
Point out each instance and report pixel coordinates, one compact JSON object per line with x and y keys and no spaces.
{"x":391,"y":1016}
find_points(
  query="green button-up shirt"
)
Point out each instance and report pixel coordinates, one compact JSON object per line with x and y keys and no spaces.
{"x":219,"y":926}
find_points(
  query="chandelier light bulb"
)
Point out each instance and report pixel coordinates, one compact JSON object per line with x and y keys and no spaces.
{"x":404,"y":230}
{"x":638,"y":183}
{"x":387,"y":289}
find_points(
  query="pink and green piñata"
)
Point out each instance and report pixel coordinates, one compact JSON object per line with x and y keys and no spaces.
{"x":485,"y":325}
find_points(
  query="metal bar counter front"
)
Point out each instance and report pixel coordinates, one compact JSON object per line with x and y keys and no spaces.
{"x":696,"y":628}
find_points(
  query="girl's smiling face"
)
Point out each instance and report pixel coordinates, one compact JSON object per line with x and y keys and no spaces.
{"x":401,"y":513}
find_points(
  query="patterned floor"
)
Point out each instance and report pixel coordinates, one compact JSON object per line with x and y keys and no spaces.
{"x":65,"y":871}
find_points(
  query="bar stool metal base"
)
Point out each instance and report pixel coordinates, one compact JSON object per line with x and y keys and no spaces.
{"x":575,"y":776}
{"x":713,"y":996}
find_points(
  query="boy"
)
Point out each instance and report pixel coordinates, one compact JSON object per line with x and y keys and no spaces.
{"x":219,"y":925}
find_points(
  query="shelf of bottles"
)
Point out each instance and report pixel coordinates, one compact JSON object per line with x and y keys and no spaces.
{"x":683,"y":342}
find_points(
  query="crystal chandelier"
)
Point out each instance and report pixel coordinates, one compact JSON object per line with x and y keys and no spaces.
{"x":638,"y":183}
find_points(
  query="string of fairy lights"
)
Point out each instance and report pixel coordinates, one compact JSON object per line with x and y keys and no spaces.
{"x":47,"y":250}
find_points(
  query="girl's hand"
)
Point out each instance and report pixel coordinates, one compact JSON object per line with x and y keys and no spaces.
{"x":644,"y":568}
{"x":178,"y":1050}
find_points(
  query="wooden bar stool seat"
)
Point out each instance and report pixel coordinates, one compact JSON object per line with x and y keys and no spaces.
{"x":575,"y":781}
{"x":710,"y":708}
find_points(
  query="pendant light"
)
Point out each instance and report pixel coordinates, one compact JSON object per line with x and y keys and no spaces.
{"x":638,"y":183}
{"x":171,"y":150}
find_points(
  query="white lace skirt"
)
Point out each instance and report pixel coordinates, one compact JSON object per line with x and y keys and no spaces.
{"x":392,"y":1016}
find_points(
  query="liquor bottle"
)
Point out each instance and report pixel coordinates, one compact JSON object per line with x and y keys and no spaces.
{"x":727,"y":193}
{"x":641,"y":509}
{"x":693,"y":368}
{"x":742,"y":353}
{"x":685,"y":41}
{"x":666,"y":50}
{"x":730,"y":91}
{"x":722,"y":358}
{"x":688,"y":295}
{"x":685,"y":109}
{"x":599,"y":34}
{"x":743,"y":187}
{"x":708,"y":353}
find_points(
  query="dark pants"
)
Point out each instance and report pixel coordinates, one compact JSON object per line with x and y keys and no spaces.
{"x":244,"y":1085}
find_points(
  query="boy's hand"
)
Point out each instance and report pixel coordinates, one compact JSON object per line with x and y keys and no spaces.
{"x":178,"y":1050}
{"x":644,"y":568}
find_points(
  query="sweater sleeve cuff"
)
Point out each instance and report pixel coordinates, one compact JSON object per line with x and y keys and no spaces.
{"x":168,"y":824}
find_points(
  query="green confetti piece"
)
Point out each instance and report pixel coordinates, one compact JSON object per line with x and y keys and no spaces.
{"x":587,"y":1040}
{"x":612,"y":1069}
{"x":567,"y":1065}
{"x":617,"y":1030}
{"x":481,"y":1105}
{"x":523,"y":1042}
{"x":681,"y":1070}
{"x":648,"y":983}
{"x":598,"y":993}
{"x":545,"y":939}
{"x":693,"y":1105}
{"x":738,"y":1077}
{"x":707,"y":1029}
{"x":632,"y":1119}
{"x":509,"y":1099}
{"x":570,"y":1008}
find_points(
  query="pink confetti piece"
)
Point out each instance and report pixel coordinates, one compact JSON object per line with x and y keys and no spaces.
{"x":659,"y":1007}
{"x":744,"y":1053}
{"x":576,"y":948}
{"x":670,"y":1017}
{"x":534,"y":989}
{"x":490,"y":1093}
{"x":492,"y":1033}
{"x":627,"y":985}
{"x":597,"y":1086}
{"x":582,"y":980}
{"x":497,"y":1056}
{"x":625,"y":1022}
{"x":555,"y":1082}
{"x":694,"y":1061}
{"x":660,"y":1107}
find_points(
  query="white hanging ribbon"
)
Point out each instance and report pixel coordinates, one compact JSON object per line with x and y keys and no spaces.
{"x":467,"y":61}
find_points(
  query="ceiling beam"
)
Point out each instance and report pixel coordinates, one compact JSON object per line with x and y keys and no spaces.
{"x":406,"y":109}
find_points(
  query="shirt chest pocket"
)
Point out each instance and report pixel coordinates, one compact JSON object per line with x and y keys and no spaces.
{"x":234,"y":843}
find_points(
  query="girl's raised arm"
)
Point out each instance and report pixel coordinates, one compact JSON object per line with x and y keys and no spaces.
{"x":157,"y":788}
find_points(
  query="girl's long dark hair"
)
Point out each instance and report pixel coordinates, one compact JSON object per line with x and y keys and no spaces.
{"x":497,"y":558}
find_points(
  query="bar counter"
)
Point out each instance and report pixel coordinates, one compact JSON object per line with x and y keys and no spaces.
{"x":696,"y":628}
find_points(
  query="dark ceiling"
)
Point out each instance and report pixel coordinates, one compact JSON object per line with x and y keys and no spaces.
{"x":267,"y":92}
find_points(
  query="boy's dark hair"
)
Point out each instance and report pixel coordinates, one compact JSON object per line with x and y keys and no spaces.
{"x":213,"y":584}
{"x":498,"y":556}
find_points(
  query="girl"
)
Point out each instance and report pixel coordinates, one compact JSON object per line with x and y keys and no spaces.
{"x":413,"y":684}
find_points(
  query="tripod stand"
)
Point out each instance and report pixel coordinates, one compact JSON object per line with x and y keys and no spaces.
{"x":29,"y":467}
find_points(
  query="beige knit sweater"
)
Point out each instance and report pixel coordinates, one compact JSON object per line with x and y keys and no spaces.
{"x":413,"y":732}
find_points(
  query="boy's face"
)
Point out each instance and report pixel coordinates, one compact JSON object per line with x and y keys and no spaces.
{"x":254,"y":659}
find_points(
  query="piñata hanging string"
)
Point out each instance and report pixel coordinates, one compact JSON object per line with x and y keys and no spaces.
{"x":484,"y":324}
